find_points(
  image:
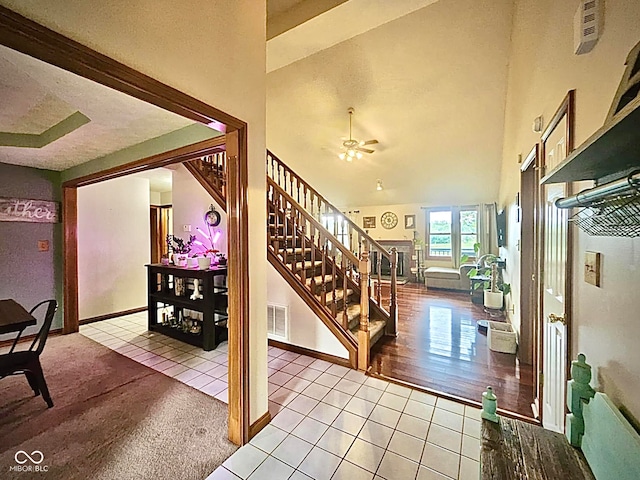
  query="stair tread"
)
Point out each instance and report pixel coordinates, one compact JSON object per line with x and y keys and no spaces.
{"x":318,"y":279}
{"x":374,"y":327}
{"x":307,"y":264}
{"x":353,"y":313}
{"x":339,"y":295}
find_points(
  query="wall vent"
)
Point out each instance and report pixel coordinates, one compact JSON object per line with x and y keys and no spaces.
{"x":587,"y":25}
{"x":277,"y":322}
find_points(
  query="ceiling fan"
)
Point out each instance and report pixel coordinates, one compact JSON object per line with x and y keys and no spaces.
{"x":354,"y":148}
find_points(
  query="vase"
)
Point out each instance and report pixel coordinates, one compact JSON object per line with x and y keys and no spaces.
{"x":204,"y":263}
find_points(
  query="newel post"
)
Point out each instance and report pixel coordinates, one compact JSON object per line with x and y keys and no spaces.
{"x":392,"y":325}
{"x":363,"y":332}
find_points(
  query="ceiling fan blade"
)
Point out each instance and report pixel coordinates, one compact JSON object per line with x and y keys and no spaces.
{"x":369,"y":142}
{"x":365,"y":150}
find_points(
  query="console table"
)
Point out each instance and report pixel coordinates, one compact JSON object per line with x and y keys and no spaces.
{"x":175,"y":311}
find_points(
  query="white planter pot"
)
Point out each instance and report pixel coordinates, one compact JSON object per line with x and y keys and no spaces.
{"x":180,"y":259}
{"x":192,"y":262}
{"x":204,"y":263}
{"x":493,"y":299}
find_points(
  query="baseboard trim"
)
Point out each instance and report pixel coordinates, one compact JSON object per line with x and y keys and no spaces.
{"x":99,"y":318}
{"x":27,"y":338}
{"x":259,"y":424}
{"x":310,"y":353}
{"x":449,"y":396}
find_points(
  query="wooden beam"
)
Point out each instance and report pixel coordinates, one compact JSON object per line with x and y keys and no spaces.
{"x":70,"y":259}
{"x":238,"y":236}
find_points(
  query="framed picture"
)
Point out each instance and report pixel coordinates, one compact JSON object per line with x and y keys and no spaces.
{"x":409,"y":221}
{"x":368,"y":222}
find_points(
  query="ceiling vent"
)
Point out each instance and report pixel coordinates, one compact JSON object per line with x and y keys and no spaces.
{"x":587,"y":26}
{"x":277,"y":322}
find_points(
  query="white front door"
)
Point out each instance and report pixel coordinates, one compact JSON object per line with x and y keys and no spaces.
{"x":553,"y":310}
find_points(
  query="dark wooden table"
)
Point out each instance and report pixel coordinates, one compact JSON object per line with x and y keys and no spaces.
{"x":13,"y":317}
{"x":517,"y":450}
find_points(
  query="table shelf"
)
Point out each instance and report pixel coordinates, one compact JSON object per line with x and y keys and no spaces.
{"x":212,"y":313}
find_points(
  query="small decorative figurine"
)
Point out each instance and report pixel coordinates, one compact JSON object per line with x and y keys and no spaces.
{"x":180,"y":286}
{"x":489,"y":406}
{"x":196,"y":295}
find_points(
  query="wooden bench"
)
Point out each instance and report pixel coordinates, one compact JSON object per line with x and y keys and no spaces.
{"x":606,"y":445}
{"x":516,"y":450}
{"x":448,"y":278}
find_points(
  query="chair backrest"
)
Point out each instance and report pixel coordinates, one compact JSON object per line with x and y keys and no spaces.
{"x":41,"y":337}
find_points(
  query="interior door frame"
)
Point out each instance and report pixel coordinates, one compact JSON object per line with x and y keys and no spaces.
{"x":26,"y":36}
{"x":566,"y":108}
{"x":527,"y":351}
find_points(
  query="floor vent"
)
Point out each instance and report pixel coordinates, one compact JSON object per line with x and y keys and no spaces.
{"x":277,"y":322}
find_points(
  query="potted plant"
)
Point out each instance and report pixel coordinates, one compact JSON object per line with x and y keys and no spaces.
{"x":180,"y":249}
{"x":494,"y":288}
{"x":493,"y":297}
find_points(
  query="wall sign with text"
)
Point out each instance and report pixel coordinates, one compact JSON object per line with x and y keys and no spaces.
{"x":23,"y":210}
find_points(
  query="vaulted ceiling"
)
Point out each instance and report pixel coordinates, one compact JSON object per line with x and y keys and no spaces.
{"x":430,"y":85}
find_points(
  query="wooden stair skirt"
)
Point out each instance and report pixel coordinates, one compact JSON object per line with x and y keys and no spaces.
{"x":304,"y":267}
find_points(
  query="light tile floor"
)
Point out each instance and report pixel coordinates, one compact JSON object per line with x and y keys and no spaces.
{"x":329,"y":422}
{"x":128,"y":335}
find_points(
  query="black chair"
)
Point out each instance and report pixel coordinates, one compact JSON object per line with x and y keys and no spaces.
{"x":28,"y":361}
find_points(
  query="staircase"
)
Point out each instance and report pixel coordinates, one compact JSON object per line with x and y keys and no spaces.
{"x":323,"y":255}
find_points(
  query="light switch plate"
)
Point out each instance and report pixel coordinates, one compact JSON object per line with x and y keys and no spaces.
{"x":43,"y":245}
{"x":592,"y":268}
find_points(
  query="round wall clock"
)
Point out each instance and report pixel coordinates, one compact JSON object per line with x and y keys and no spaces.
{"x":389,"y":220}
{"x":212,"y":217}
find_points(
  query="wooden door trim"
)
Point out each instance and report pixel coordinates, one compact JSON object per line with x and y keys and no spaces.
{"x":70,"y":260}
{"x":28,"y":37}
{"x":238,"y":279}
{"x":527,"y":351}
{"x":177,"y":155}
{"x":567,"y":107}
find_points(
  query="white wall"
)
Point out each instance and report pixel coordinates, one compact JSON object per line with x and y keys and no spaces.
{"x":430,"y":86}
{"x":305,"y":328}
{"x":166,"y":198}
{"x":190,"y":202}
{"x":154,"y":198}
{"x":113,"y":246}
{"x":543,"y":68}
{"x":214,"y":51}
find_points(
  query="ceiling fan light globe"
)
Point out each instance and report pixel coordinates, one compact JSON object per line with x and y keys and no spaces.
{"x":351,"y":153}
{"x":358,"y":155}
{"x":342,"y":156}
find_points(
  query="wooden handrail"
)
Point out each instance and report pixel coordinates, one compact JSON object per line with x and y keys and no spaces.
{"x":316,"y":224}
{"x":315,"y":205}
{"x":315,"y":193}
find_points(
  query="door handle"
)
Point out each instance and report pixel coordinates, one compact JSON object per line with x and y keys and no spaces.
{"x":553,"y":318}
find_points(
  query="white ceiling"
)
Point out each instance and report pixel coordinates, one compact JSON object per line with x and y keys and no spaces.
{"x":430,"y":86}
{"x":35,"y":96}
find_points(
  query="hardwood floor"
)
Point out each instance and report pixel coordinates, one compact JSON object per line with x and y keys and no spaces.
{"x":440,"y":348}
